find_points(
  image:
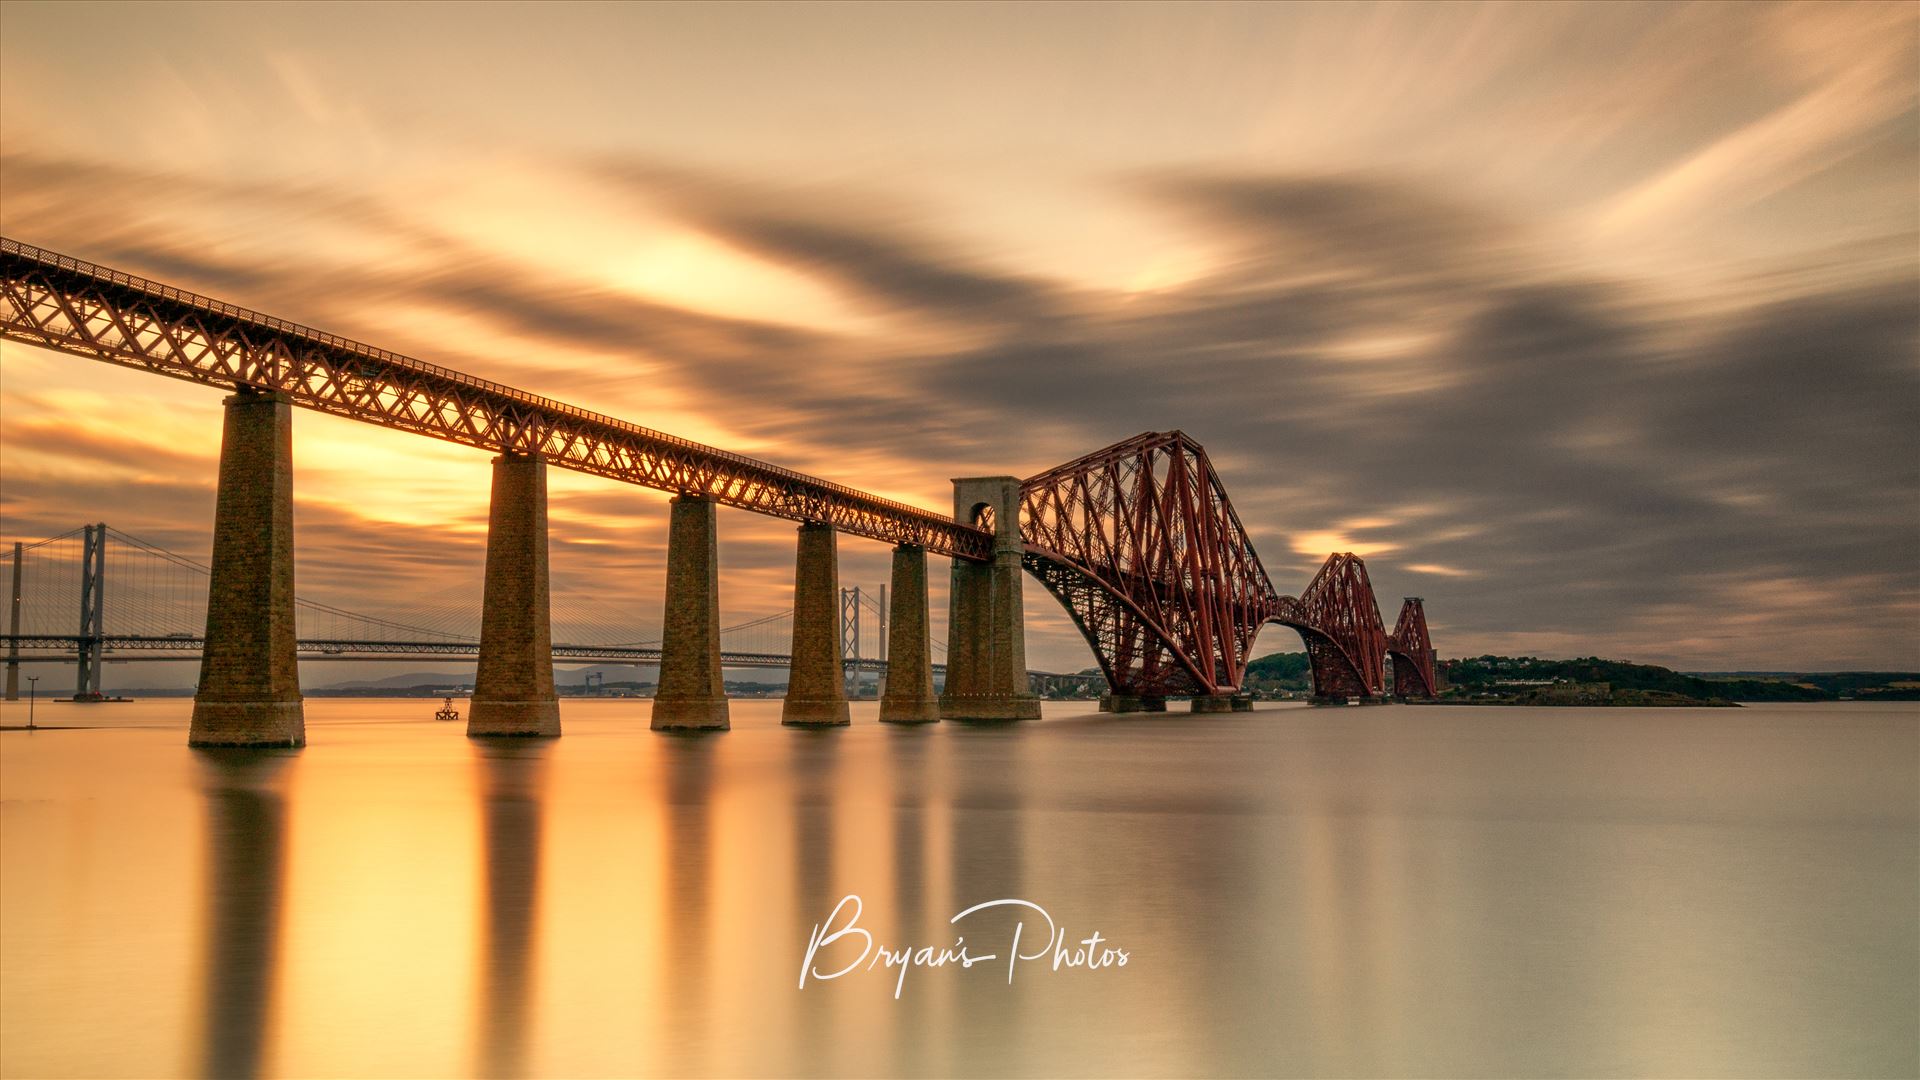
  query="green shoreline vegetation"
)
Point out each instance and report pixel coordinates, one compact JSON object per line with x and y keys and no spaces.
{"x":1531,"y":680}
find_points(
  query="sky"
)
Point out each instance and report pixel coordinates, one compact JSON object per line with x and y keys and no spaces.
{"x":1593,"y":325}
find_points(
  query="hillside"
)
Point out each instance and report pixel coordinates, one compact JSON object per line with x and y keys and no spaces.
{"x":1279,"y":671}
{"x":1511,"y":674}
{"x":1528,"y":676}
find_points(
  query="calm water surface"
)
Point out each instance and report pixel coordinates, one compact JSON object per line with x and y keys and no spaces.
{"x":1391,"y":891}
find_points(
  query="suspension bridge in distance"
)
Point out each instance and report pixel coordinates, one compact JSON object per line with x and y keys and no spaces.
{"x":1138,"y":541}
{"x":159,"y":603}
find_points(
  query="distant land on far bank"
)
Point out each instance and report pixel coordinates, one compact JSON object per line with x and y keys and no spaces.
{"x":1481,"y":679}
{"x":1531,"y":680}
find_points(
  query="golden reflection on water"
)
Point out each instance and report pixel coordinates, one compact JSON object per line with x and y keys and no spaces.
{"x":1346,"y":892}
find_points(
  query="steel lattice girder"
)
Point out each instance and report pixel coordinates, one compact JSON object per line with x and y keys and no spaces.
{"x":1141,"y":544}
{"x":1340,"y":620}
{"x":1139,"y":540}
{"x":1412,"y":651}
{"x":72,"y":306}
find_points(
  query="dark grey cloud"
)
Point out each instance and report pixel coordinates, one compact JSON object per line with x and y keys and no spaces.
{"x":1392,"y":234}
{"x":1833,"y":373}
{"x":1579,"y":459}
{"x":1590,"y":459}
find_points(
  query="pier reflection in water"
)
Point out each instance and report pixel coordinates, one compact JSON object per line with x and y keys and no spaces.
{"x":1350,"y":892}
{"x":511,"y":779}
{"x":245,"y":882}
{"x":683,"y":775}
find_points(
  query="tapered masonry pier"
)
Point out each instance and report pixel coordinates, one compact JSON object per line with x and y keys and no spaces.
{"x":1130,"y":703}
{"x":1218,"y":703}
{"x":513,"y":686}
{"x":692,"y":694}
{"x":909,"y":696}
{"x":986,"y":639}
{"x":249,"y":692}
{"x":816,"y":690}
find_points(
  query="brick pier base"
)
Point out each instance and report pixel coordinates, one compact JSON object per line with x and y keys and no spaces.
{"x":513,"y":686}
{"x":249,"y":693}
{"x":816,"y":690}
{"x":1126,"y":703}
{"x":692,"y":694}
{"x":986,"y":632}
{"x":909,"y":697}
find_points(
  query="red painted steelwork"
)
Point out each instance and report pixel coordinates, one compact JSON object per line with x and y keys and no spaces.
{"x":1138,"y":540}
{"x":1340,"y":622}
{"x":1412,"y":652}
{"x":1141,"y":544}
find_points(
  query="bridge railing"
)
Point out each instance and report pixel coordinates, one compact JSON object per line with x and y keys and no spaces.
{"x":44,"y":257}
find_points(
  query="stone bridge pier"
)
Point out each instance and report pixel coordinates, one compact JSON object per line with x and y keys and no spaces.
{"x":692,"y":695}
{"x":909,"y":695}
{"x":513,"y":690}
{"x":986,"y":637}
{"x":249,"y":692}
{"x":816,"y":686}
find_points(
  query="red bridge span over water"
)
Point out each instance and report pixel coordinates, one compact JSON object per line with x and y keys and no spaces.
{"x":1139,"y":541}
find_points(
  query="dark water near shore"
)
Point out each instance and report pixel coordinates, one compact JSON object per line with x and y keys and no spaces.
{"x":1356,"y":892}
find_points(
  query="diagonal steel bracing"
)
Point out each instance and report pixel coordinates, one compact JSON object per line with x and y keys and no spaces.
{"x":1139,"y":541}
{"x":1340,"y":622}
{"x":1141,"y":544}
{"x":1412,"y":651}
{"x":58,"y":302}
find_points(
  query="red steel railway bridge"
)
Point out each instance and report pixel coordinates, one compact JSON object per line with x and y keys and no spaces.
{"x":1138,"y":541}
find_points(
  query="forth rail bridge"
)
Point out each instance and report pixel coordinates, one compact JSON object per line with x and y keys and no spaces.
{"x":1138,"y":541}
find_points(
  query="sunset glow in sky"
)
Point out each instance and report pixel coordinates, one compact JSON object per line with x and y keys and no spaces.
{"x":1595,"y":326}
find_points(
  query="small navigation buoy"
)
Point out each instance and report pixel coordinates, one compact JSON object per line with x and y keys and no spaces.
{"x":447,"y":711}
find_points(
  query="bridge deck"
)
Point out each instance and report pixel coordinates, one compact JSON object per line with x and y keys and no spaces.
{"x":74,"y":306}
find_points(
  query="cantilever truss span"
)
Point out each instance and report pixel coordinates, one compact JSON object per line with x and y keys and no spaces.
{"x":1412,"y":652}
{"x":58,"y":302}
{"x":1339,"y":620}
{"x":1141,"y":544}
{"x":1138,"y":540}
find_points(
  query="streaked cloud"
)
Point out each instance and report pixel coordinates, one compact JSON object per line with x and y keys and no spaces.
{"x":1594,"y":325}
